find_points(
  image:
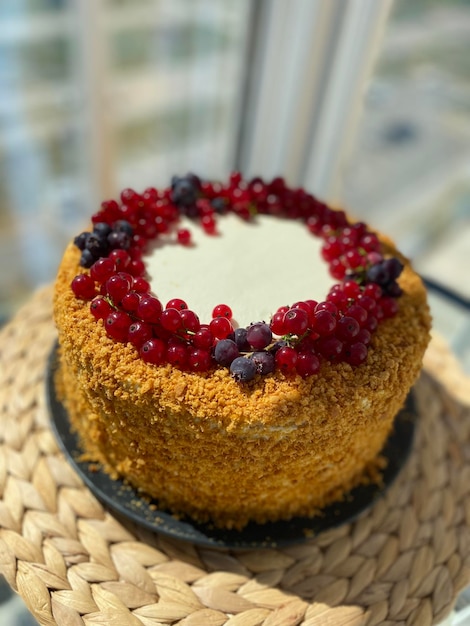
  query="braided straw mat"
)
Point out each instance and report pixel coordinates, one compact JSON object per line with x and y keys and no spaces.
{"x":402,"y":562}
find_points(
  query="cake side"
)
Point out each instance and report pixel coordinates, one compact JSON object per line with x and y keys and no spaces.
{"x":204,"y":445}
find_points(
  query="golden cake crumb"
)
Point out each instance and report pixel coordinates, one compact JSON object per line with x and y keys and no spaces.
{"x":206,"y":446}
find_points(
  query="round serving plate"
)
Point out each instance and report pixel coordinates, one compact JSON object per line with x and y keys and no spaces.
{"x":123,"y":499}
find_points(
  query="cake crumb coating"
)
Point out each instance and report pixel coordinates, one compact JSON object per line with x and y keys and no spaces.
{"x":203,"y":445}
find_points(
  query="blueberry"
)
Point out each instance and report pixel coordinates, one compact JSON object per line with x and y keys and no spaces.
{"x":97,"y":245}
{"x":102,"y":229}
{"x":119,"y":240}
{"x":385,"y":273}
{"x":241,"y":340}
{"x":393,"y":290}
{"x":378,"y":274}
{"x":394,"y":267}
{"x":225,"y":352}
{"x":87,"y":259}
{"x":243,"y":369}
{"x":259,"y":335}
{"x":123,"y":226}
{"x":80,"y":240}
{"x":264,"y":361}
{"x":219,"y":205}
{"x":185,"y":190}
{"x":277,"y":346}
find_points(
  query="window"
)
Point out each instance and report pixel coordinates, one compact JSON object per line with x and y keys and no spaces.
{"x":98,"y":96}
{"x":408,"y":171}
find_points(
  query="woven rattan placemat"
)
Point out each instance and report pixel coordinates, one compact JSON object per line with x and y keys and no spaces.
{"x":73,"y":563}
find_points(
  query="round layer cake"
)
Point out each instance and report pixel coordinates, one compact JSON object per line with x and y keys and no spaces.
{"x":236,"y":351}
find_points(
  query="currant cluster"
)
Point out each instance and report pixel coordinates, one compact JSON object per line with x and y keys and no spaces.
{"x":102,"y":240}
{"x":297,"y":338}
{"x":385,"y":273}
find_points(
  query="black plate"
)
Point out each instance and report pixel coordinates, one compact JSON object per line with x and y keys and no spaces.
{"x":125,"y":500}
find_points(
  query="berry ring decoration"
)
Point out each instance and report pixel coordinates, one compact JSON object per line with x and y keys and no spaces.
{"x":297,"y":338}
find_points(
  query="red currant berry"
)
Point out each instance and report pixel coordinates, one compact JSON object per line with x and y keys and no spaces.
{"x":330,"y":348}
{"x":176,"y":303}
{"x":355,"y":354}
{"x":363,"y":336}
{"x":366,"y":302}
{"x":100,"y":308}
{"x":209,"y":224}
{"x":242,"y":209}
{"x":371,"y":323}
{"x":314,"y":225}
{"x":327,"y":231}
{"x":190,"y":321}
{"x":351,"y":289}
{"x":323,"y":322}
{"x":117,"y":325}
{"x":347,"y":328}
{"x":358,"y":312}
{"x":83,"y":286}
{"x":349,"y":237}
{"x":177,"y":354}
{"x":120,"y":257}
{"x":277,"y":324}
{"x":301,"y":305}
{"x":139,"y":333}
{"x":150,"y":196}
{"x":109,"y":211}
{"x":140,"y":285}
{"x":149,"y":309}
{"x":136,"y":267}
{"x":372,"y":290}
{"x":286,"y":358}
{"x":337,"y":269}
{"x":296,"y":321}
{"x":307,"y":364}
{"x":327,"y":306}
{"x":153,"y":351}
{"x":203,"y":338}
{"x":199,"y":360}
{"x":161,"y":225}
{"x":222,"y":310}
{"x":102,"y":269}
{"x":138,"y":242}
{"x":117,"y":287}
{"x":220,"y":327}
{"x":171,"y":320}
{"x":235,"y":179}
{"x":130,"y":301}
{"x":339,"y":219}
{"x":183,"y":236}
{"x":370,"y":243}
{"x":359,"y":228}
{"x":331,"y":249}
{"x":129,"y":196}
{"x":373,"y":258}
{"x":312,"y":304}
{"x":389,"y":306}
{"x":337,"y":297}
{"x":353,"y":259}
{"x":378,"y":312}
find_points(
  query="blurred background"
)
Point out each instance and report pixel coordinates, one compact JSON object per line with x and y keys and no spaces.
{"x":364,"y":103}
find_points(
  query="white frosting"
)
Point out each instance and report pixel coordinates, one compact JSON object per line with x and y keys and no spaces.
{"x":254,"y":267}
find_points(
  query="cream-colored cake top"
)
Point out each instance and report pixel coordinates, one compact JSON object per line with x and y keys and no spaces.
{"x":254,"y":267}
